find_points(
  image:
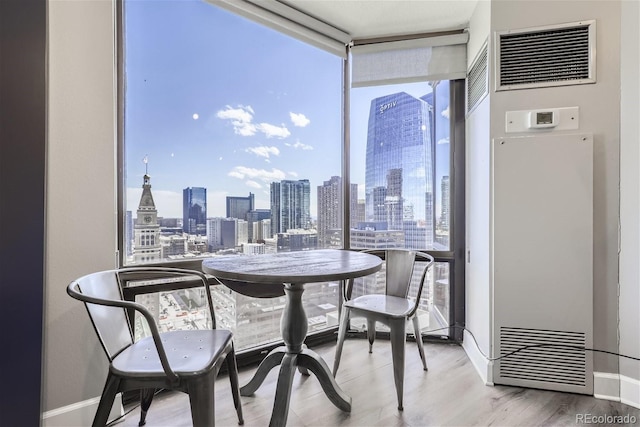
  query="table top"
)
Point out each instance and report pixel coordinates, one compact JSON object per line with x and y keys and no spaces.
{"x":293,"y":267}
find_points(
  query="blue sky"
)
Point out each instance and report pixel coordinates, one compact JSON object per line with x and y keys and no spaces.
{"x":216,"y":101}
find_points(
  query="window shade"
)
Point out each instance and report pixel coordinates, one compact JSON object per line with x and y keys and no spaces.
{"x":290,"y":21}
{"x":431,"y":58}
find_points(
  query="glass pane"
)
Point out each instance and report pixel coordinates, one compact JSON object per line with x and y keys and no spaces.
{"x":400,"y":162}
{"x":182,"y":309}
{"x":253,"y":321}
{"x":256,"y":321}
{"x":232,"y":135}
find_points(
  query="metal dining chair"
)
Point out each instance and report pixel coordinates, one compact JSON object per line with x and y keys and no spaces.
{"x":184,"y":360}
{"x":393,"y":309}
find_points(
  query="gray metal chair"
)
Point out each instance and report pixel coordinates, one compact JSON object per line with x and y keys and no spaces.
{"x":393,"y":309}
{"x":187,"y":361}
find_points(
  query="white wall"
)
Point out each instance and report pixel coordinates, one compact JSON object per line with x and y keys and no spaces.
{"x":478,"y":299}
{"x":630,"y":194}
{"x":81,"y":191}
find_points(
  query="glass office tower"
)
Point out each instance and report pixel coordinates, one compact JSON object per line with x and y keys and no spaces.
{"x":239,"y":207}
{"x":399,"y":164}
{"x":194,"y":210}
{"x":290,"y":205}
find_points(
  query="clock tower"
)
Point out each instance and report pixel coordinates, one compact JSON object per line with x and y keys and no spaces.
{"x":146,"y":247}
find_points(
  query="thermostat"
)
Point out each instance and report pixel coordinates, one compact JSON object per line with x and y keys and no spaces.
{"x":543,"y":119}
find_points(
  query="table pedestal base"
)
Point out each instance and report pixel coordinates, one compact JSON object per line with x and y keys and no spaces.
{"x":304,"y":360}
{"x":291,"y":355}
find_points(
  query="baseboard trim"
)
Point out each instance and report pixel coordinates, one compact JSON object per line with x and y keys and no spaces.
{"x":482,"y":365}
{"x":617,"y":388}
{"x":630,"y":391}
{"x":80,"y":413}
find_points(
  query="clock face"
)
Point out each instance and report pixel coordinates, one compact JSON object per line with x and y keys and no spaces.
{"x":147,"y":219}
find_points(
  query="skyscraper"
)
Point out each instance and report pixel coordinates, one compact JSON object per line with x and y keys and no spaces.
{"x":290,"y":205}
{"x":393,"y":202}
{"x":194,"y":210}
{"x":214,"y":233}
{"x":255,"y":220}
{"x":330,"y":209}
{"x":399,"y":163}
{"x":238,"y":207}
{"x":234,"y":232}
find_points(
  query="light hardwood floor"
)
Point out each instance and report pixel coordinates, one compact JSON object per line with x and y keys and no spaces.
{"x":449,"y":394}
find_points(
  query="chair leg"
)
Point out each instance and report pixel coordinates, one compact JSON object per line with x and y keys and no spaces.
{"x":232,"y":367}
{"x":342,"y":333}
{"x":146,"y":397}
{"x":371,"y":333}
{"x":111,"y":388}
{"x":416,"y":331}
{"x":397,"y":353}
{"x":202,"y":400}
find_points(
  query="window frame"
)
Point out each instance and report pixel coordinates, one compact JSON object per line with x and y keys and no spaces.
{"x":454,"y":257}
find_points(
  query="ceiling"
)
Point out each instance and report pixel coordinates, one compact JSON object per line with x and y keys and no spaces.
{"x":364,"y":19}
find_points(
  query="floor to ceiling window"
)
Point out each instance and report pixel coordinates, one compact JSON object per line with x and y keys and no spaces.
{"x":401,"y":157}
{"x":406,"y":122}
{"x":232,"y":134}
{"x":231,"y":143}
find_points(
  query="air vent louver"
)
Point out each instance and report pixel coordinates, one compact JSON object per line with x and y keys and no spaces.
{"x":477,"y":80}
{"x":554,"y":358}
{"x":552,"y":56}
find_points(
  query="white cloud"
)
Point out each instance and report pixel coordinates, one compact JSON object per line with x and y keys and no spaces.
{"x":242,"y":120}
{"x":445,"y":113}
{"x":263,"y":151}
{"x":241,"y":114}
{"x":294,"y":174}
{"x":443,"y":141}
{"x":253,"y":184}
{"x":273,"y":131}
{"x":242,"y":172}
{"x":300,"y":145}
{"x":299,"y":120}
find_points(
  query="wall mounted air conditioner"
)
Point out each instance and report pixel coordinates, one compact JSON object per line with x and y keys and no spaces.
{"x":542,"y":271}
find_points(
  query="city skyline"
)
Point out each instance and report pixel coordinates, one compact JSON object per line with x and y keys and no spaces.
{"x":213,"y":122}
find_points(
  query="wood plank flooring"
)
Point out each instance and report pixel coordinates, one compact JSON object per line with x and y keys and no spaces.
{"x":449,"y":394}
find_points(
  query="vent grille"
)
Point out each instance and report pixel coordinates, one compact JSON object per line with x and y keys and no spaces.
{"x":477,"y":80}
{"x":553,"y":56}
{"x":552,"y":361}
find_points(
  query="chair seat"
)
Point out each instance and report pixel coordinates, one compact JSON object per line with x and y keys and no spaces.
{"x":383,"y":304}
{"x":190,"y":353}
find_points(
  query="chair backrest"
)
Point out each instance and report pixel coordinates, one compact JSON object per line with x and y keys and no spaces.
{"x":399,"y":270}
{"x":111,"y":323}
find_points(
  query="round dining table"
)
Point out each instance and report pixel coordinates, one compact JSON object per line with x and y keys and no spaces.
{"x":270,"y":275}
